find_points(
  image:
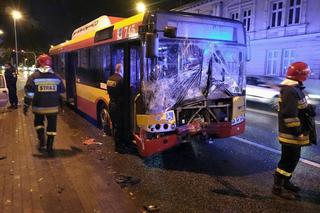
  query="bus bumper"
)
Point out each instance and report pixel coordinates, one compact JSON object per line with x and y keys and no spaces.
{"x":148,"y":147}
{"x":224,"y":129}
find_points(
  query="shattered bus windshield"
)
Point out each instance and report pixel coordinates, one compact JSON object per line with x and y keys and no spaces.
{"x":192,"y":70}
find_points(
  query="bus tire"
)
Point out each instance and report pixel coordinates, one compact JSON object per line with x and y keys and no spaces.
{"x":104,"y":119}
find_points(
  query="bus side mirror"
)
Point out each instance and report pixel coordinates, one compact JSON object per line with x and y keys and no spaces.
{"x":170,"y":32}
{"x":152,"y":45}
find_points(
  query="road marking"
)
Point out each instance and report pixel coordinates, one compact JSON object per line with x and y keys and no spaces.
{"x":269,"y":113}
{"x":311,"y":163}
{"x":262,"y":112}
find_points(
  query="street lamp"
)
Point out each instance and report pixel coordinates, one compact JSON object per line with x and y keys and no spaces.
{"x":141,"y":7}
{"x":1,"y":33}
{"x":16,"y":15}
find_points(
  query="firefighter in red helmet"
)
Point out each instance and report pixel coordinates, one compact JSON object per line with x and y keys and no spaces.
{"x":42,"y":91}
{"x":291,"y":136}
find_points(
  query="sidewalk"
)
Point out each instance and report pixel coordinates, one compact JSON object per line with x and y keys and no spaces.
{"x":73,"y":181}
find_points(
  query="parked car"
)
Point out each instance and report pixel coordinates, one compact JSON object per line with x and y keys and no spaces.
{"x":265,"y":89}
{"x":3,"y":91}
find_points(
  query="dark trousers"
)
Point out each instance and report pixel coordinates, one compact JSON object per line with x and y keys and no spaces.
{"x":117,"y":122}
{"x":290,"y":156}
{"x":51,"y":123}
{"x":13,"y":98}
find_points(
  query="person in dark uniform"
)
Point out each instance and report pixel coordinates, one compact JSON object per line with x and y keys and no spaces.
{"x":42,"y":90}
{"x":115,"y":91}
{"x":11,"y":80}
{"x":292,"y":137}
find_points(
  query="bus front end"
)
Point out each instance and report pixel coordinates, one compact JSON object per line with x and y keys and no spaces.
{"x":192,"y":80}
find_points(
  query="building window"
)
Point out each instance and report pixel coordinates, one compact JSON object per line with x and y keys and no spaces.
{"x":276,"y":13}
{"x":294,"y":12}
{"x":288,"y":57}
{"x":234,"y":15}
{"x":273,"y":62}
{"x":247,"y":19}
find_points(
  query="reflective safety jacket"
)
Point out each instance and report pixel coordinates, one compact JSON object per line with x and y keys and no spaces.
{"x":43,"y":91}
{"x":292,"y":102}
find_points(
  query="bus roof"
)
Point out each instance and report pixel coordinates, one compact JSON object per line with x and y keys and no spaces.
{"x":82,"y":37}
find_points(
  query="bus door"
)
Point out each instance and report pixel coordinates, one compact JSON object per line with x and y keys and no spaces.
{"x":71,"y":64}
{"x":128,"y":54}
{"x":134,"y":83}
{"x":120,"y":56}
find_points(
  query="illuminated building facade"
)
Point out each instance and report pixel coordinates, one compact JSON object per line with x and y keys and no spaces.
{"x":280,"y":31}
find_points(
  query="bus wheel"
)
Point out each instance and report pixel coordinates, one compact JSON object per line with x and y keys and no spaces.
{"x":105,"y":120}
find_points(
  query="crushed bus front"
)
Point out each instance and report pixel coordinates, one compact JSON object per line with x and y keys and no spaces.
{"x":193,"y":82}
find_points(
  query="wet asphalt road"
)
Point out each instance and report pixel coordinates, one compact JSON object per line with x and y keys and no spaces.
{"x":227,"y":175}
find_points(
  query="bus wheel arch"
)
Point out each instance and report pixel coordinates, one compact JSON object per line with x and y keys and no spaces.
{"x":103,"y":117}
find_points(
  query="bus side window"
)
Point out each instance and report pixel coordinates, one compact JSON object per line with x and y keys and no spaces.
{"x":100,"y":63}
{"x":117,"y":58}
{"x":134,"y":69}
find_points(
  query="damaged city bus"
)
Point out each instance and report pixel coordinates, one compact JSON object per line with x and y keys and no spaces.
{"x":184,"y":75}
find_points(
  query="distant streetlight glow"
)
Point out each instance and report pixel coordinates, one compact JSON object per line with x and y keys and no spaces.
{"x":141,"y":7}
{"x":16,"y":15}
{"x":1,"y":32}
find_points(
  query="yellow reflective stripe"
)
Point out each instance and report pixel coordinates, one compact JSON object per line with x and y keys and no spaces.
{"x":39,"y":127}
{"x":280,"y":171}
{"x":302,"y":104}
{"x":44,"y":110}
{"x":294,"y":141}
{"x":293,"y":124}
{"x":51,"y":133}
{"x":289,"y":136}
{"x":291,"y":139}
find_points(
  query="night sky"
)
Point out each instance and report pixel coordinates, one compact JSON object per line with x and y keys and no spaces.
{"x":47,"y":22}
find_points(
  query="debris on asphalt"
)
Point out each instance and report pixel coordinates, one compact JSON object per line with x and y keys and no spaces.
{"x":60,"y":188}
{"x":126,"y":181}
{"x":40,"y":179}
{"x":101,"y":157}
{"x":91,"y":141}
{"x":7,"y":202}
{"x":151,"y":208}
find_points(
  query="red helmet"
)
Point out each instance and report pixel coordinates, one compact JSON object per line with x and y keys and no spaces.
{"x":44,"y":60}
{"x":298,"y":71}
